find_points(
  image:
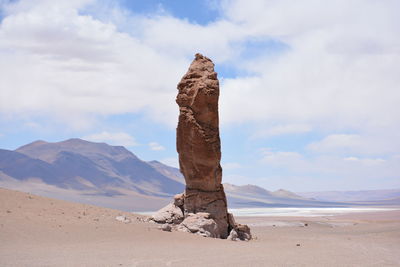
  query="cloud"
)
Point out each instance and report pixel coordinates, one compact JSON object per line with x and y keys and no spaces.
{"x":282,"y":130}
{"x":58,"y":62}
{"x":117,"y":138}
{"x":337,"y":70}
{"x":333,"y":171}
{"x":284,"y":159}
{"x":366,"y":161}
{"x":61,"y":60}
{"x":33,"y":125}
{"x":334,"y":142}
{"x":156,"y":146}
{"x":369,"y":143}
{"x":320,"y":164}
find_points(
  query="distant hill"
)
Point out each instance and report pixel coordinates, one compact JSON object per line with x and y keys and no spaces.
{"x":85,"y":171}
{"x":112,"y":176}
{"x":255,"y":196}
{"x":168,"y":171}
{"x":80,"y":164}
{"x":388,"y":195}
{"x":287,"y":194}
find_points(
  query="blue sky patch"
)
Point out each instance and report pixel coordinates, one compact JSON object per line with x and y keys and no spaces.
{"x":195,"y":11}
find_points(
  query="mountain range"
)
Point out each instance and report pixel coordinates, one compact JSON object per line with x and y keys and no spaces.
{"x":112,"y":176}
{"x":355,"y":196}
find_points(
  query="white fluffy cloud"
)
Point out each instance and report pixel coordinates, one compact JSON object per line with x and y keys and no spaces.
{"x":156,"y":146}
{"x":56,"y":61}
{"x":116,"y":138}
{"x":345,"y":142}
{"x":282,"y":130}
{"x":369,"y":143}
{"x":338,"y":71}
{"x":334,"y":171}
{"x":337,"y":74}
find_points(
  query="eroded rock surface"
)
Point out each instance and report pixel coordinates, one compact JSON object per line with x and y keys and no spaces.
{"x":200,"y":223}
{"x":204,"y":202}
{"x":197,"y":139}
{"x":198,"y":142}
{"x":168,"y":214}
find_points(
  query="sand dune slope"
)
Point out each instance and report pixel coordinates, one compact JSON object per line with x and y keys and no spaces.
{"x":38,"y":231}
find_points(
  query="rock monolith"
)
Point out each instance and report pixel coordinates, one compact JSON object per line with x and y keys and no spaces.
{"x":203,"y":204}
{"x":198,"y":142}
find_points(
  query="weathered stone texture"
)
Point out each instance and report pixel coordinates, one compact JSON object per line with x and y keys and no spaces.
{"x":168,"y":214}
{"x":204,"y":202}
{"x":198,"y":142}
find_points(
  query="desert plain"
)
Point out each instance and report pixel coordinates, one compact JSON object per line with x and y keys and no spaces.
{"x":39,"y":231}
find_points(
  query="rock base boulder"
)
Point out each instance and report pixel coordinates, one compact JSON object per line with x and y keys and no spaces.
{"x":213,"y":203}
{"x":193,"y":218}
{"x":201,"y":224}
{"x":169,"y":214}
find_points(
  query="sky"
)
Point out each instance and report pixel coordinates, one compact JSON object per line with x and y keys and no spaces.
{"x":309,"y":90}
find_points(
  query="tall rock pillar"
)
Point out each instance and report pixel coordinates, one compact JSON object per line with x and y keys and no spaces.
{"x":198,"y":142}
{"x":202,"y":208}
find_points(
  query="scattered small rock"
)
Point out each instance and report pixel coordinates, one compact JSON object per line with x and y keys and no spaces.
{"x":233,"y":235}
{"x":169,"y":214}
{"x":298,"y":245}
{"x":140,"y":219}
{"x":166,"y":227}
{"x":178,"y":199}
{"x":243,"y":231}
{"x":8,"y":211}
{"x":122,"y":219}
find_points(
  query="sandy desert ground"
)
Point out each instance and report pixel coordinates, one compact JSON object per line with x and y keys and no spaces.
{"x":38,"y":231}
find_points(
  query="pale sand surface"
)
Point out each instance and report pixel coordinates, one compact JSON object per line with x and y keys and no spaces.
{"x":38,"y":231}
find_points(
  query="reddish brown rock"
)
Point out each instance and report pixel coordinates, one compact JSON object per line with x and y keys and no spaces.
{"x":199,"y":148}
{"x":197,"y":139}
{"x":198,"y":142}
